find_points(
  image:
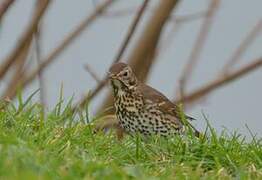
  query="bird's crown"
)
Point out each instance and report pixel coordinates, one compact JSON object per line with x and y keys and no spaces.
{"x":122,"y":74}
{"x":117,"y":67}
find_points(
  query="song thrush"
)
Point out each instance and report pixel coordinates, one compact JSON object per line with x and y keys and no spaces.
{"x":142,"y":109}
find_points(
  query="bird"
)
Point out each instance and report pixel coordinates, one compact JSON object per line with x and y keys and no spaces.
{"x":142,"y":109}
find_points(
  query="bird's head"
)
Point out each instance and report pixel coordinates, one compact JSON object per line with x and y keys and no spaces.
{"x":122,"y":76}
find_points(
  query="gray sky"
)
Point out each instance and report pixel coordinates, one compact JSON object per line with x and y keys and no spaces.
{"x":232,"y":106}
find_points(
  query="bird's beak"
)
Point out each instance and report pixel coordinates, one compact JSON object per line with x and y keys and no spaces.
{"x":111,"y":75}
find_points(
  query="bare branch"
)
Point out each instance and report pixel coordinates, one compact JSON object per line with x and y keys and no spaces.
{"x":131,"y":31}
{"x":4,"y":7}
{"x":177,"y":19}
{"x":121,"y":12}
{"x":165,"y":43}
{"x":94,"y":92}
{"x":177,"y":23}
{"x":219,"y":82}
{"x":43,"y":4}
{"x":19,"y":72}
{"x":242,"y":47}
{"x":143,"y":55}
{"x":72,"y":36}
{"x":92,"y":73}
{"x":144,"y":51}
{"x":198,"y":46}
{"x":189,"y":17}
{"x":123,"y":47}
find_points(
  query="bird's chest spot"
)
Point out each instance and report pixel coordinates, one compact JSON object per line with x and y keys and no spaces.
{"x":134,"y":116}
{"x":128,"y":108}
{"x":128,"y":103}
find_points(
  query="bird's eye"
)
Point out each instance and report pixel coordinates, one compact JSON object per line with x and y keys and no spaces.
{"x":125,"y":73}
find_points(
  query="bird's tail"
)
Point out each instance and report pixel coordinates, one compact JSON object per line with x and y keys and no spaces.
{"x":196,"y":132}
{"x":190,"y":118}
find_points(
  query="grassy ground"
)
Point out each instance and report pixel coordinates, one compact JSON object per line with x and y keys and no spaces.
{"x":62,"y":145}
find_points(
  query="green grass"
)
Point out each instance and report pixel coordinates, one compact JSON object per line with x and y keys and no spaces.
{"x":63,"y":146}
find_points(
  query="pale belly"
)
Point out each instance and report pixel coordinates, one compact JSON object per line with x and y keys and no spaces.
{"x":138,"y":121}
{"x":136,"y":117}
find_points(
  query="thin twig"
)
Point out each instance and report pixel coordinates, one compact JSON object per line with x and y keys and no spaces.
{"x":131,"y":31}
{"x":4,"y":7}
{"x":143,"y":55}
{"x":177,"y":23}
{"x":198,"y":46}
{"x":219,"y":82}
{"x":93,"y":93}
{"x":242,"y":48}
{"x":43,"y":4}
{"x":175,"y":18}
{"x":23,"y":53}
{"x":188,"y":17}
{"x":121,"y":12}
{"x":19,"y":72}
{"x":122,"y":49}
{"x":92,"y":73}
{"x":69,"y":39}
{"x":165,"y":43}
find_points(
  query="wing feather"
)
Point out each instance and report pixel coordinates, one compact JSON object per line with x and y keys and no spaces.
{"x":164,"y":104}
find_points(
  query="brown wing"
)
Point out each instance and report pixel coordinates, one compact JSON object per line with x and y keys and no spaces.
{"x":164,"y":104}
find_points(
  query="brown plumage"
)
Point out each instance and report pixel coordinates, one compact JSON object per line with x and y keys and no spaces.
{"x":141,"y":108}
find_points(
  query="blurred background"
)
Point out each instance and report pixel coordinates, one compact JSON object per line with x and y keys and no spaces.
{"x":210,"y":49}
